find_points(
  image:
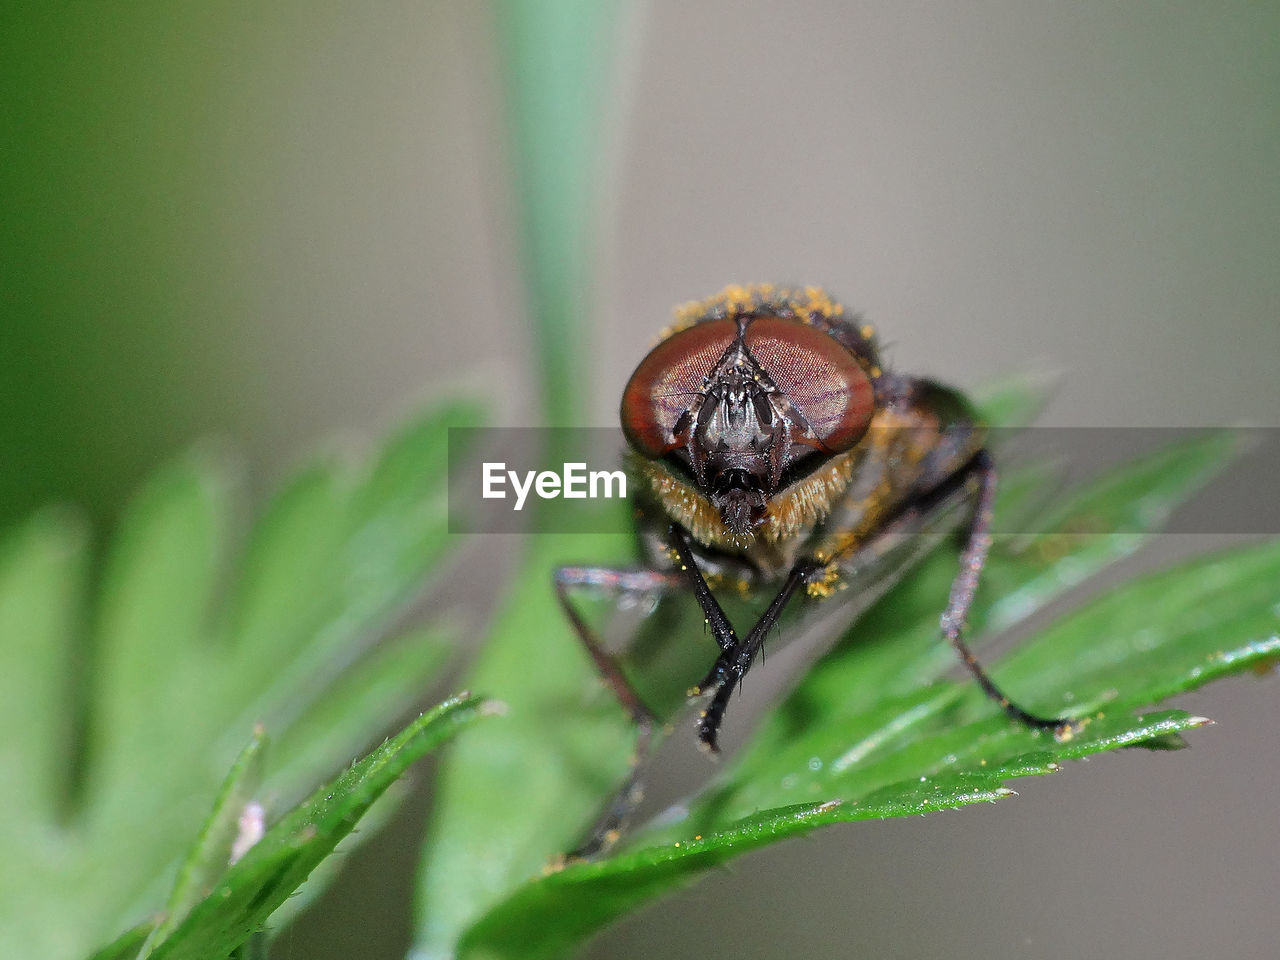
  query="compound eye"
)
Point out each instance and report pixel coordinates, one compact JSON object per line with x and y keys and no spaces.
{"x":821,"y":378}
{"x":667,"y":382}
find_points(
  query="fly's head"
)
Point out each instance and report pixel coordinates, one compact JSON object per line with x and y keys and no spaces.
{"x":760,"y":390}
{"x":735,"y":436}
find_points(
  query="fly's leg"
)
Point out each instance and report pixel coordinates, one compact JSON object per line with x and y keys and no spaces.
{"x":972,"y":559}
{"x":616,"y":813}
{"x":736,"y":655}
{"x":716,"y":620}
{"x":733,"y":664}
{"x":614,"y":581}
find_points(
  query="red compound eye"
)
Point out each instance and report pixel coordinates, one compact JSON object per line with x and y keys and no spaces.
{"x":820,"y":377}
{"x":815,"y":375}
{"x":667,"y":383}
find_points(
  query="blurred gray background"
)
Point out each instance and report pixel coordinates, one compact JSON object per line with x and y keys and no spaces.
{"x":278,"y":224}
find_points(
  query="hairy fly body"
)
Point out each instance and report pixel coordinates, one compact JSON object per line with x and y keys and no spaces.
{"x":774,"y":455}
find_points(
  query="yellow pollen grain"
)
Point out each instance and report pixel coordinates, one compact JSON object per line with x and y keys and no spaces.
{"x":826,"y":585}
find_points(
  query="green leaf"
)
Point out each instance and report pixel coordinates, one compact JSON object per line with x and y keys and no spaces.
{"x":194,"y":643}
{"x":1136,"y":499}
{"x":548,"y":916}
{"x":211,"y":854}
{"x":127,"y":945}
{"x":555,"y":55}
{"x":374,"y":821}
{"x":288,"y":587}
{"x":1128,"y":649}
{"x":945,"y":746}
{"x":875,"y":716}
{"x":156,"y":598}
{"x":360,"y":699}
{"x":275,"y":866}
{"x":1013,"y":401}
{"x":485,"y":836}
{"x":336,"y":557}
{"x":511,"y":796}
{"x":895,"y":647}
{"x":42,"y":568}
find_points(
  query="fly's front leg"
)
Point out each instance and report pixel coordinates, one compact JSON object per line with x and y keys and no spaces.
{"x":614,"y":817}
{"x":972,"y":559}
{"x":736,"y":655}
{"x":734,"y":664}
{"x":713,"y":613}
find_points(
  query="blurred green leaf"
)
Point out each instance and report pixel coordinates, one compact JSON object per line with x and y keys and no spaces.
{"x":391,"y":674}
{"x":250,"y":891}
{"x":192,"y":647}
{"x":337,"y":557}
{"x":42,"y":568}
{"x":511,"y":796}
{"x":1012,"y":401}
{"x":555,"y":56}
{"x":151,"y":665}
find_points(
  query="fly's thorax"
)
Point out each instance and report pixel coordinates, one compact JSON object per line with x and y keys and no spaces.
{"x":907,"y":448}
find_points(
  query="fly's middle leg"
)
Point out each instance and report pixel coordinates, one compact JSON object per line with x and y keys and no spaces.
{"x":614,"y":817}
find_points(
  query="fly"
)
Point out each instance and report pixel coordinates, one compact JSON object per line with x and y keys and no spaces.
{"x":773,"y":453}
